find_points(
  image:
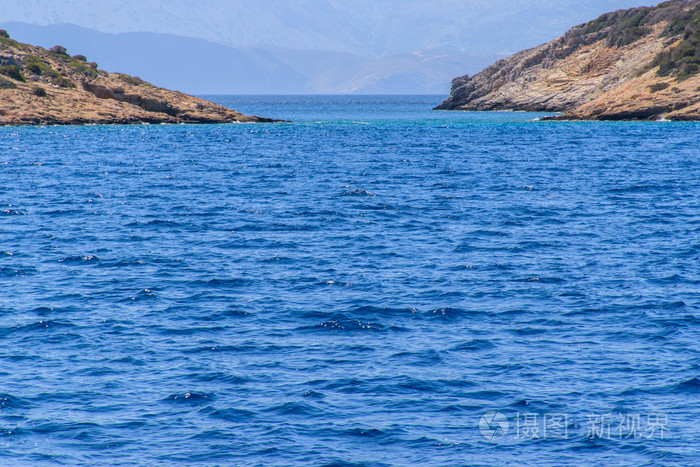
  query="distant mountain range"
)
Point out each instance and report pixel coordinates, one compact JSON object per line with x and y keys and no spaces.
{"x":363,"y":27}
{"x":203,"y":67}
{"x":300,"y":46}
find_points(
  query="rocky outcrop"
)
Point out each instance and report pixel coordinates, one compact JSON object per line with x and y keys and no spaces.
{"x":639,"y":64}
{"x":49,"y":87}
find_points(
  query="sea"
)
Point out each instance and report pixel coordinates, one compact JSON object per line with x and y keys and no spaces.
{"x":371,"y":283}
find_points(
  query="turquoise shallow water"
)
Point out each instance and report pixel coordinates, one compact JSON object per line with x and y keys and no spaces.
{"x":374,"y":284}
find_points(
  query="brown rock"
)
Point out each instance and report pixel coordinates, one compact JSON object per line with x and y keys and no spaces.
{"x":603,"y":70}
{"x":75,"y":92}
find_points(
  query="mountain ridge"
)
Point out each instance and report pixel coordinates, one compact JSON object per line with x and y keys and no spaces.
{"x":198,"y":66}
{"x":364,"y":27}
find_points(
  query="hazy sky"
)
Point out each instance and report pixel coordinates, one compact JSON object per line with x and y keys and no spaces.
{"x":299,"y":46}
{"x":370,"y":27}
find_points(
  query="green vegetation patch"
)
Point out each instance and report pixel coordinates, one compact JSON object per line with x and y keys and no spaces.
{"x":37,"y":65}
{"x":133,"y":80}
{"x":84,"y":68}
{"x":9,"y":42}
{"x":13,"y":72}
{"x":40,"y":92}
{"x":599,"y":24}
{"x":656,"y":87}
{"x":683,"y":60}
{"x":619,"y":28}
{"x":62,"y":82}
{"x":58,"y":50}
{"x":630,"y":28}
{"x":625,"y":27}
{"x":7,"y":84}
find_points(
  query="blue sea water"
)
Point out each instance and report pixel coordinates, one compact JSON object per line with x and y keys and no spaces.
{"x":373,"y":284}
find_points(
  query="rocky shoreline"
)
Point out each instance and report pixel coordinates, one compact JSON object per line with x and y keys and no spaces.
{"x":50,"y":87}
{"x":638,"y":64}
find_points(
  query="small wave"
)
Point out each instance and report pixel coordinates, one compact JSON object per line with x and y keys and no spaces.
{"x":384,"y":386}
{"x":363,"y":314}
{"x":145,"y":294}
{"x":678,"y":304}
{"x":381,"y":311}
{"x":42,"y":325}
{"x":364,"y":433}
{"x":540,"y":280}
{"x":224,"y":348}
{"x":123,"y":263}
{"x":534,"y":406}
{"x":422,"y":358}
{"x":529,"y":331}
{"x":249,"y":228}
{"x":157,"y":223}
{"x":129,"y":360}
{"x":487,"y":395}
{"x":531,"y":245}
{"x":344,"y":324}
{"x":191,"y":398}
{"x":294,"y":408}
{"x":188,"y":331}
{"x":378,"y":207}
{"x":233,"y":415}
{"x":67,"y":430}
{"x":691,"y":385}
{"x":346,"y":385}
{"x":449,"y":313}
{"x":233,"y":312}
{"x":474,"y":345}
{"x":410,"y":385}
{"x":487,"y":233}
{"x":672,"y":279}
{"x":14,"y":212}
{"x":359,"y":193}
{"x":278,"y":260}
{"x":224,"y":282}
{"x":218,"y":377}
{"x":693,"y":250}
{"x":61,"y":212}
{"x":630,"y":189}
{"x":8,"y":401}
{"x":15,"y":272}
{"x":73,"y":260}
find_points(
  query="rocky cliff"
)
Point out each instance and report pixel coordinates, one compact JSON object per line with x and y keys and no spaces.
{"x":638,"y":64}
{"x":50,"y":87}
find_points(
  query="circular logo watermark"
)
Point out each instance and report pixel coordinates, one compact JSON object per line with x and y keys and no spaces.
{"x":494,"y":426}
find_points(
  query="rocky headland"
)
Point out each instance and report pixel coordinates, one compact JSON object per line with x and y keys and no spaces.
{"x":637,"y":64}
{"x":51,"y":87}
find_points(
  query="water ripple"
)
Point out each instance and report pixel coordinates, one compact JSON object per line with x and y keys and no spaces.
{"x":348,"y":294}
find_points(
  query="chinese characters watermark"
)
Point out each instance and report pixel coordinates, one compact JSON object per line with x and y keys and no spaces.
{"x":495,"y":426}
